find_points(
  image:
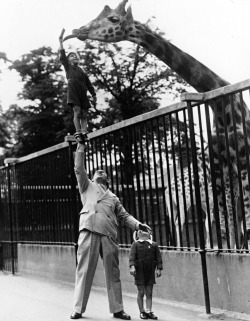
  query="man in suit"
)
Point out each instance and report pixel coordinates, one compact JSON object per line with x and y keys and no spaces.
{"x":97,"y":235}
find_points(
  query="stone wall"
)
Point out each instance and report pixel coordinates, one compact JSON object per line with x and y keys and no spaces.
{"x":181,"y":280}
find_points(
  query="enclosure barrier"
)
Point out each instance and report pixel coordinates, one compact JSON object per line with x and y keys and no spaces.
{"x":166,"y":166}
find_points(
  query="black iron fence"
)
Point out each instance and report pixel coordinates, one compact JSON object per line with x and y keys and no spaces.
{"x":222,"y":166}
{"x":168,"y":168}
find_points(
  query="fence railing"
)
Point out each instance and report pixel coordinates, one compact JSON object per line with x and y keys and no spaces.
{"x":166,"y":166}
{"x":222,"y":171}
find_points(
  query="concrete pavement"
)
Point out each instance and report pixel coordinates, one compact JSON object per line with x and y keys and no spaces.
{"x":25,"y":298}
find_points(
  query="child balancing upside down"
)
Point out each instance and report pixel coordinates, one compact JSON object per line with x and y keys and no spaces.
{"x":78,"y":85}
{"x":144,"y":261}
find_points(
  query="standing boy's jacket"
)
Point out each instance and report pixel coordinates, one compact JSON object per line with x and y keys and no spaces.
{"x":101,"y":209}
{"x":142,"y":251}
{"x":78,"y":84}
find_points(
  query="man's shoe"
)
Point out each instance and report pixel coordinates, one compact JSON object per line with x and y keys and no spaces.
{"x":121,"y":315}
{"x":143,"y":315}
{"x":75,"y":315}
{"x":151,"y":315}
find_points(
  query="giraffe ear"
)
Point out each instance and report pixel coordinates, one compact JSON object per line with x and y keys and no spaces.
{"x":121,"y":8}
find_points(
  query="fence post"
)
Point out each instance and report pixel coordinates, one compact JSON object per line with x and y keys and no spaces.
{"x":8,"y":162}
{"x":199,"y":208}
{"x":1,"y":256}
{"x":71,"y":139}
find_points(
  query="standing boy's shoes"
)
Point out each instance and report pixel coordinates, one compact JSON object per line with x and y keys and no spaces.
{"x":79,"y":138}
{"x":75,"y":315}
{"x":121,"y":315}
{"x":151,"y":315}
{"x":143,"y":315}
{"x":84,"y":134}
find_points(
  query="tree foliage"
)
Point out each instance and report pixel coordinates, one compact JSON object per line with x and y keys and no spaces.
{"x":41,"y":123}
{"x":128,"y":82}
{"x":132,"y":79}
{"x":4,"y":132}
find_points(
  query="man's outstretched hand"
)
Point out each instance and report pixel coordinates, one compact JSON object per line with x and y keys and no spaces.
{"x":80,"y":148}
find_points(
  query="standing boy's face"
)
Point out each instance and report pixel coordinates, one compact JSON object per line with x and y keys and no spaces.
{"x":73,"y":59}
{"x":143,"y":235}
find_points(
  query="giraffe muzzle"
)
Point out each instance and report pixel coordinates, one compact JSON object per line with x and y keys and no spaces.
{"x":80,"y":34}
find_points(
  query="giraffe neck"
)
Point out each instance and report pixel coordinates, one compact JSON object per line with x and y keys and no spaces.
{"x":191,"y":70}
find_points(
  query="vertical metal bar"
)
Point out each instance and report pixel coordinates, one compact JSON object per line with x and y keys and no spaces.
{"x":11,"y":220}
{"x":73,"y":198}
{"x":156,"y":182}
{"x":124,"y":231}
{"x":213,"y":179}
{"x":231,"y":169}
{"x":183,"y":184}
{"x":151,"y":218}
{"x":168,"y":227}
{"x":133,"y":194}
{"x":160,"y":138}
{"x":242,"y":107}
{"x":198,"y":204}
{"x":126,"y":168}
{"x":176,"y":186}
{"x":190,"y":180}
{"x":142,"y":129}
{"x":204,"y":166}
{"x":106,"y":157}
{"x":138,"y":195}
{"x":64,"y":190}
{"x":108,"y":147}
{"x":219,"y":166}
{"x":117,"y":181}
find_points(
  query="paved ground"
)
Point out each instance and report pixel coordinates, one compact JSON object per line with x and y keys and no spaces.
{"x":25,"y":298}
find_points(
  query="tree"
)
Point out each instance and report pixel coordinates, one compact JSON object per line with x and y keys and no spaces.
{"x":4,"y":133}
{"x":133,"y":82}
{"x":4,"y":57}
{"x":41,"y":123}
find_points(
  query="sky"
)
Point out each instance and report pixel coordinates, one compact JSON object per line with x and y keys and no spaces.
{"x":216,"y":32}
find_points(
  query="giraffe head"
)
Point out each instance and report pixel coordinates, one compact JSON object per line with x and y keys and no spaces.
{"x":111,"y":25}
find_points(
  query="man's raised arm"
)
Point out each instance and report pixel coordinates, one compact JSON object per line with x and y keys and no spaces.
{"x":80,"y":170}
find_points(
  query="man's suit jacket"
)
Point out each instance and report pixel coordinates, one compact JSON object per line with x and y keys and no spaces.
{"x":101,"y":209}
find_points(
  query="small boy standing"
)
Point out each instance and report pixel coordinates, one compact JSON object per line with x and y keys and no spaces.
{"x":144,"y":259}
{"x":78,"y":85}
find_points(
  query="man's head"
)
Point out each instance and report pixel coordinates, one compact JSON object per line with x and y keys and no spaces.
{"x":100,"y":177}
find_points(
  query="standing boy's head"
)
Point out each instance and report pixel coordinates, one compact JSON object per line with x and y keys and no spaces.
{"x":73,"y":58}
{"x":143,"y":235}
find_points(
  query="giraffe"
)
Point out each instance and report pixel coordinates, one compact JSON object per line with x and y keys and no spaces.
{"x":114,"y":25}
{"x":180,"y":196}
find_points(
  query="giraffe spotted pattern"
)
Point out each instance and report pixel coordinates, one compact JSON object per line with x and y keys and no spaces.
{"x":182,"y":195}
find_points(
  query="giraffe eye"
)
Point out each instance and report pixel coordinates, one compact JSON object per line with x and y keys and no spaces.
{"x":113,"y":19}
